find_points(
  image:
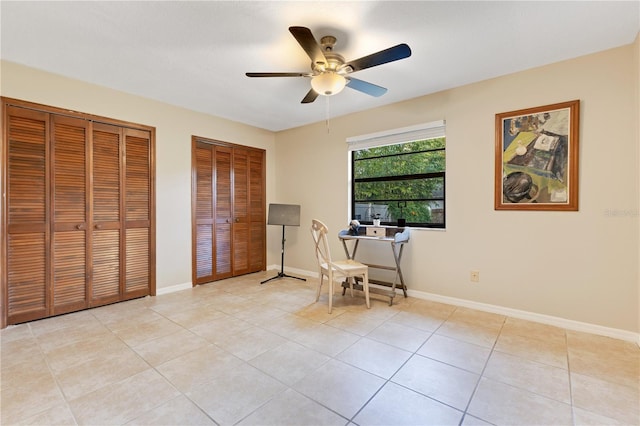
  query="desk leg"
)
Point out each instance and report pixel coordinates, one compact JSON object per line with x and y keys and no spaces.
{"x":350,"y":255}
{"x":398,"y":278}
{"x":398,"y":258}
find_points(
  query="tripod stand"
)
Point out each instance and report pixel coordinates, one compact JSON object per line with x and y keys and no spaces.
{"x":281,"y":274}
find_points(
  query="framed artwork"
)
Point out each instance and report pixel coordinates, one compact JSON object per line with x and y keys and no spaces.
{"x":536,"y":165}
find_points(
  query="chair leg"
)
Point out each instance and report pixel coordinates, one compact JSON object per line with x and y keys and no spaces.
{"x":319,"y":286}
{"x":365,"y":287}
{"x":351,"y":280}
{"x":330,"y":291}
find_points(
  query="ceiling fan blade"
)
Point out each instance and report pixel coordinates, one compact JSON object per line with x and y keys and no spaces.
{"x":277,"y":74}
{"x":365,"y":87}
{"x":308,"y":42}
{"x":391,"y":54}
{"x":310,"y":97}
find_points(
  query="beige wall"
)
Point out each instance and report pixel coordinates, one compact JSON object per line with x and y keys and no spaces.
{"x":174,"y":128}
{"x":581,"y":266}
{"x":637,"y":135}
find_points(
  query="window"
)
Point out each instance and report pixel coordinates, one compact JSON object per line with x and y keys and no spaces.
{"x":400,"y":175}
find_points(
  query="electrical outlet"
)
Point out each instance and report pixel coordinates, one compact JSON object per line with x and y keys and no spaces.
{"x":475,"y":276}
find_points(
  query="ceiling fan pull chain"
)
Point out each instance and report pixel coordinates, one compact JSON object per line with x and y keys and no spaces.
{"x":327,"y":113}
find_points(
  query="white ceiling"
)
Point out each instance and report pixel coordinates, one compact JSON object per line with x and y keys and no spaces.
{"x":195,"y":54}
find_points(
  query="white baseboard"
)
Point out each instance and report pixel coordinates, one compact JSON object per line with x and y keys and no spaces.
{"x":272,"y":268}
{"x":568,"y":324}
{"x":514,"y":313}
{"x":532,"y":316}
{"x":173,"y":288}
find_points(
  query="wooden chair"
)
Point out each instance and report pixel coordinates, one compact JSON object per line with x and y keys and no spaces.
{"x":333,"y":270}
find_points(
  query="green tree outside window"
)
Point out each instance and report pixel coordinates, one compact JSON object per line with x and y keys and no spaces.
{"x":405,"y":180}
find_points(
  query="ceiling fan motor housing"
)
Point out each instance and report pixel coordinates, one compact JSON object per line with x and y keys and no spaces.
{"x":334,"y":62}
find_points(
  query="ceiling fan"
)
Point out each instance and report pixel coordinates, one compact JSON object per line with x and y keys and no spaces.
{"x":330,"y":73}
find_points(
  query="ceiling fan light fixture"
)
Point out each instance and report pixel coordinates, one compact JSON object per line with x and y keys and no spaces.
{"x":328,"y":83}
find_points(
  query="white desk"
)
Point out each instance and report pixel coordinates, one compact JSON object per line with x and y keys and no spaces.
{"x":396,"y":238}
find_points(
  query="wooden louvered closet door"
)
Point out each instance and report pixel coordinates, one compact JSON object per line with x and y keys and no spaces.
{"x":248,"y":211}
{"x":257,"y":202}
{"x":228,"y":207}
{"x":203,"y":213}
{"x":27,"y":294}
{"x":80,"y":213}
{"x":223,"y":212}
{"x":69,"y":224}
{"x":241,"y":237}
{"x":139,"y":238}
{"x":106,"y":213}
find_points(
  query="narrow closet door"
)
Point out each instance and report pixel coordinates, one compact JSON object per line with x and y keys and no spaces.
{"x":257,"y":206}
{"x":27,"y":270}
{"x":69,"y":237}
{"x":223,"y":212}
{"x":202,"y":211}
{"x":139,"y":238}
{"x":106,"y":212}
{"x":240,"y":211}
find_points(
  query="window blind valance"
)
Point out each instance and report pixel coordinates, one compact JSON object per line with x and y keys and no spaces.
{"x":434,"y":129}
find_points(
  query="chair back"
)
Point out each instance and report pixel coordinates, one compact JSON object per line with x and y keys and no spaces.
{"x":319,"y":233}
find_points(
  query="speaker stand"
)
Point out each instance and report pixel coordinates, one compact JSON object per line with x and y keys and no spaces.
{"x":281,"y":274}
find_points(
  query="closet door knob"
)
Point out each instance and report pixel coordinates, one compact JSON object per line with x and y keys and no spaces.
{"x":80,"y":226}
{"x":98,"y":226}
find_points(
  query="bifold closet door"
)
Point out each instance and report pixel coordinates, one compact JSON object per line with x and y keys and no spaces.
{"x":122,"y":204}
{"x":223,"y":210}
{"x":248,"y":211}
{"x":106,"y":231}
{"x":202,"y":159}
{"x":139,"y":239}
{"x":212,"y":207}
{"x":70,"y":224}
{"x":241,"y":219}
{"x":27,"y":221}
{"x":79,"y":226}
{"x":257,"y":213}
{"x":228,"y":211}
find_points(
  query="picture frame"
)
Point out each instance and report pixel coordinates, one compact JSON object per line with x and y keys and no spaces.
{"x":536,"y":158}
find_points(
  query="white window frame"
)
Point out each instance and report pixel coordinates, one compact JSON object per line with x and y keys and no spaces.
{"x":429,"y":130}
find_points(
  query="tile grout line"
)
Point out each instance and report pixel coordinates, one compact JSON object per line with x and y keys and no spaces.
{"x":481,"y":375}
{"x":389,"y":380}
{"x":232,"y":312}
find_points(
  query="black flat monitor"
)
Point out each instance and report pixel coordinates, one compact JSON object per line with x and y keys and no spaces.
{"x":284,"y":214}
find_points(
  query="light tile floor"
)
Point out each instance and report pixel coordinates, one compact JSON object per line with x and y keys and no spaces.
{"x":237,"y":352}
